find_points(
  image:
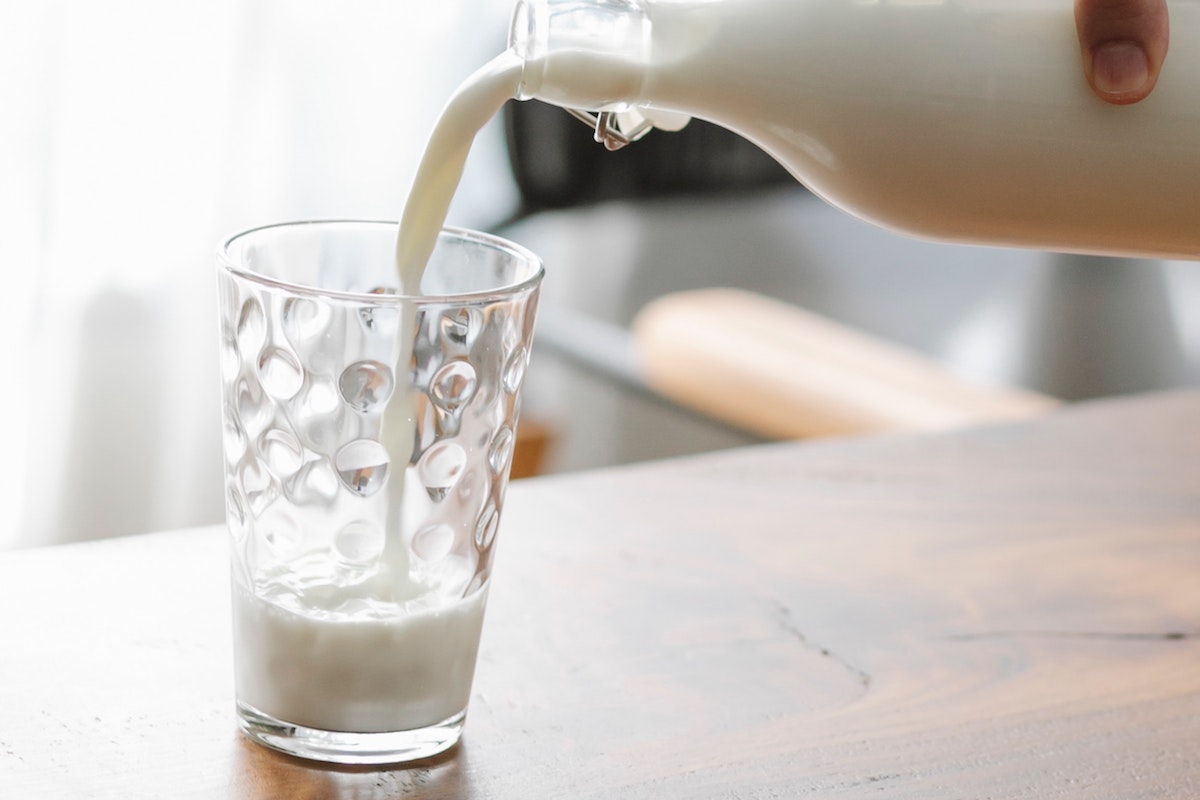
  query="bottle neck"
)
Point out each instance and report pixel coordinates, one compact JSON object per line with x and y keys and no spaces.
{"x":593,"y":58}
{"x":583,"y":54}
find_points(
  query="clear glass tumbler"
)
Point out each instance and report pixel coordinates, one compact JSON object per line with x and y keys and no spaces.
{"x":367,"y":438}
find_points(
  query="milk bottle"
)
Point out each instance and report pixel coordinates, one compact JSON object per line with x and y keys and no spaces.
{"x":955,"y":120}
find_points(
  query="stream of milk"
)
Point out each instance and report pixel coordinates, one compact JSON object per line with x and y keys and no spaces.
{"x":384,"y":652}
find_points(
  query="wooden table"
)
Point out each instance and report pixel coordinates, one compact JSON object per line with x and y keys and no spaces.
{"x":1010,"y":612}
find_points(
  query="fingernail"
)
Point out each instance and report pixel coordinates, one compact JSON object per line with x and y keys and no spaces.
{"x":1119,"y":67}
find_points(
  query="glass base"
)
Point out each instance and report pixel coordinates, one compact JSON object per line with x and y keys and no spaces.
{"x":338,"y":747}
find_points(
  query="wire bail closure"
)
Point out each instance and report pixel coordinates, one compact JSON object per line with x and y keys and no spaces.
{"x":608,"y":130}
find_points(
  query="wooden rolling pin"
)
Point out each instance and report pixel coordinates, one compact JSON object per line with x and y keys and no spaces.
{"x":775,"y":370}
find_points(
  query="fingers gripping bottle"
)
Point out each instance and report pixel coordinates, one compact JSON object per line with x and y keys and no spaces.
{"x":954,"y":120}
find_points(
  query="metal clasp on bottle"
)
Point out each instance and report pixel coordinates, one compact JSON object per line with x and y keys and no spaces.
{"x":608,"y":128}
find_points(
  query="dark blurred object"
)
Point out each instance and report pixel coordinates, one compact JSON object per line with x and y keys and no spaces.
{"x":558,"y":164}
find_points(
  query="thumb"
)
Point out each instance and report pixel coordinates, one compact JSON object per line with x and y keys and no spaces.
{"x":1123,"y":43}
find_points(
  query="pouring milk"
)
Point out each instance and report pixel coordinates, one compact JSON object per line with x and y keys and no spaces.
{"x":381,"y":649}
{"x":961,"y":121}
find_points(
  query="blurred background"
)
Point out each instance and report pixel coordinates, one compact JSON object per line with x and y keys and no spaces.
{"x":135,"y":135}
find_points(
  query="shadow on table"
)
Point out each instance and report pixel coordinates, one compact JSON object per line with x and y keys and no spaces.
{"x":262,"y":774}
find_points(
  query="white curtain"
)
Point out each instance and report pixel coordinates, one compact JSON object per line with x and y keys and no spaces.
{"x":134,"y":134}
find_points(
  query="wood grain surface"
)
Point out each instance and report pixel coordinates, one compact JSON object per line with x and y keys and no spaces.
{"x":1010,"y":612}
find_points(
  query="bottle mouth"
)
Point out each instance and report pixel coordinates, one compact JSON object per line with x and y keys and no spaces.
{"x":614,"y":30}
{"x":604,"y":25}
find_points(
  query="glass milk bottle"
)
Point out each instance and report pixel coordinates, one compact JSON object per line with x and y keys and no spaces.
{"x":954,"y":120}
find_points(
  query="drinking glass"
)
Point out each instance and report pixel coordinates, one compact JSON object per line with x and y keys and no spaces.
{"x":368,"y":436}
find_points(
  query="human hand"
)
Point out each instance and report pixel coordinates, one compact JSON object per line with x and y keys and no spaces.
{"x":1123,"y":43}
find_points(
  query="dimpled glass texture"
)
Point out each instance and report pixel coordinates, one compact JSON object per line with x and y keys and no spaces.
{"x":368,"y":438}
{"x":311,"y":355}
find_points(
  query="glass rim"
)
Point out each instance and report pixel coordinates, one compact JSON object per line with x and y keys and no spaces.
{"x":227,"y":263}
